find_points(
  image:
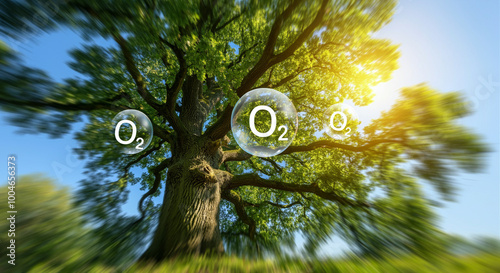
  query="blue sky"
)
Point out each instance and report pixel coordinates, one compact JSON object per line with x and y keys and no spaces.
{"x":452,"y":45}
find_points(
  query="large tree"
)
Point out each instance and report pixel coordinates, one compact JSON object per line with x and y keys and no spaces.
{"x":185,"y":64}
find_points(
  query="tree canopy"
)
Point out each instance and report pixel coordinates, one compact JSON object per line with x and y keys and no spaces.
{"x":186,"y":63}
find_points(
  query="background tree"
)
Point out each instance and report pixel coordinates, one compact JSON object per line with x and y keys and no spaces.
{"x":403,"y":223}
{"x":184,"y":64}
{"x":51,"y":233}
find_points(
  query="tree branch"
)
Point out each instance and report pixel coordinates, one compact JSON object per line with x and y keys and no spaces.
{"x":156,"y":184}
{"x":235,"y":155}
{"x":265,"y":172}
{"x":109,"y":104}
{"x":263,"y":63}
{"x":162,"y":133}
{"x":302,"y":37}
{"x":239,"y":206}
{"x":220,"y":128}
{"x":213,"y":94}
{"x":257,"y":181}
{"x":286,"y":79}
{"x":135,"y":73}
{"x":117,"y":13}
{"x":241,"y":155}
{"x":144,"y":155}
{"x":331,"y":144}
{"x":175,"y":88}
{"x":298,"y":160}
{"x":230,"y":20}
{"x":274,"y":164}
{"x":241,"y":55}
{"x":281,"y":206}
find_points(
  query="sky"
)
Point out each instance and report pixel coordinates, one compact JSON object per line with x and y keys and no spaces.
{"x":453,"y":45}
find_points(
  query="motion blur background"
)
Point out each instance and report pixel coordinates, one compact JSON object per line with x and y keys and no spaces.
{"x":452,"y":45}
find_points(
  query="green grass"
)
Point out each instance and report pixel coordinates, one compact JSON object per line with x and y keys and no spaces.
{"x":483,"y":263}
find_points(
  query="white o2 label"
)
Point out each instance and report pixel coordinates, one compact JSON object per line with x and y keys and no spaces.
{"x":133,"y":131}
{"x":338,"y":120}
{"x":342,"y":125}
{"x":271,"y":130}
{"x":264,"y":122}
{"x":131,"y":139}
{"x":252,"y":121}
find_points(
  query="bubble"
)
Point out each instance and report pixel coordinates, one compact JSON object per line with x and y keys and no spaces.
{"x":264,"y":122}
{"x":340,"y":121}
{"x":132,"y":131}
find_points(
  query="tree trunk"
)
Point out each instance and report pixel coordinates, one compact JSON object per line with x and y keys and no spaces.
{"x":189,"y":223}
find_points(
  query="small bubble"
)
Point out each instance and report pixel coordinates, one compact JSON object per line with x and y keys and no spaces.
{"x":132,"y":131}
{"x":340,"y":121}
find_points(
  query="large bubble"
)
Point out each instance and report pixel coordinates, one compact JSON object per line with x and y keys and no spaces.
{"x":264,"y":122}
{"x":340,"y":121}
{"x":132,"y":131}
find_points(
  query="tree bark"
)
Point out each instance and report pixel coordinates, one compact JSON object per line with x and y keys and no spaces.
{"x":189,"y":218}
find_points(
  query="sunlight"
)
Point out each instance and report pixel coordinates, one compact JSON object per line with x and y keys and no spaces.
{"x":386,"y":94}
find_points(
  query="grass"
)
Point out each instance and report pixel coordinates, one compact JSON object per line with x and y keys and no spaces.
{"x":483,"y":263}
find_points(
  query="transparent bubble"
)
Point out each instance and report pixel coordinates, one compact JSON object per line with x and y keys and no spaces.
{"x":264,"y":122}
{"x":132,"y":131}
{"x":340,"y":121}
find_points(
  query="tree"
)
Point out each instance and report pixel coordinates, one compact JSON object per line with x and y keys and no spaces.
{"x":51,"y":232}
{"x":185,"y":64}
{"x":403,"y":223}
